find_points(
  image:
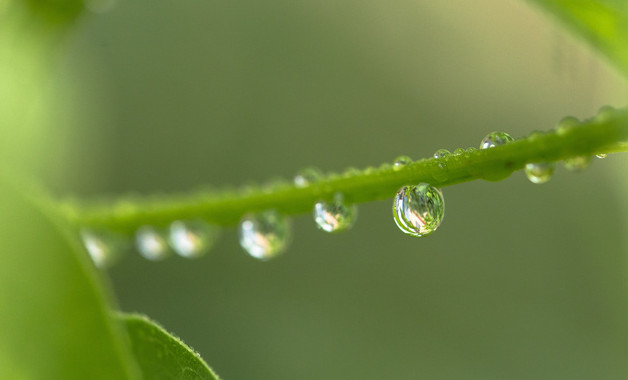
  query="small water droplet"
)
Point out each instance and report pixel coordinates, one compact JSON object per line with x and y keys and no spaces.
{"x":605,"y":113}
{"x":494,"y":139}
{"x":151,"y":243}
{"x":418,"y":210}
{"x":336,"y":216}
{"x":441,"y":153}
{"x":192,"y":238}
{"x":535,"y":135}
{"x":540,"y":172}
{"x":401,"y":161}
{"x":566,"y":124}
{"x":104,"y":248}
{"x":601,"y":155}
{"x":459,"y":151}
{"x":306,"y":177}
{"x":264,"y":235}
{"x":350,"y":172}
{"x":577,"y":163}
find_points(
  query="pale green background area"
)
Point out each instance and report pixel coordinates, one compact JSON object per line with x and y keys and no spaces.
{"x":521,"y":281}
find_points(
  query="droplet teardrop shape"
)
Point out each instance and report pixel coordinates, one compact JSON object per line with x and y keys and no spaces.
{"x":152,"y":243}
{"x":264,"y":235}
{"x":192,"y":238}
{"x":494,"y":139}
{"x":418,"y":210}
{"x":335,"y":216}
{"x":540,"y":172}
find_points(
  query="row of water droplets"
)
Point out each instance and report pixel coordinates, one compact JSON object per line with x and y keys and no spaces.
{"x":418,"y":210}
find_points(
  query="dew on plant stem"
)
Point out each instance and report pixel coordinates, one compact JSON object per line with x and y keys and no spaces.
{"x":336,"y":216}
{"x":540,"y":172}
{"x":459,"y":151}
{"x":418,"y":210}
{"x":103,"y":248}
{"x":441,"y":153}
{"x":264,"y":235}
{"x":307,"y":176}
{"x":601,"y":155}
{"x":192,"y":238}
{"x":566,"y":124}
{"x":152,"y":243}
{"x":494,"y":139}
{"x":401,"y":161}
{"x":577,"y":163}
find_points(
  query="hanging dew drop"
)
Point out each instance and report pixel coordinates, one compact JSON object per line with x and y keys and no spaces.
{"x":494,"y":139}
{"x":336,"y":216}
{"x":540,"y":172}
{"x":401,"y":162}
{"x":103,"y":248}
{"x":418,"y":210}
{"x":192,"y":238}
{"x":307,"y":177}
{"x":577,"y":163}
{"x":264,"y":235}
{"x":151,"y":243}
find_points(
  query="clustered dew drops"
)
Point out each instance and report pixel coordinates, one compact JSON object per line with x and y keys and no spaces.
{"x":417,"y":210}
{"x":336,"y":216}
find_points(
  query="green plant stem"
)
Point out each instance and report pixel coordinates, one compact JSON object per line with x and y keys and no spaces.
{"x":608,"y":132}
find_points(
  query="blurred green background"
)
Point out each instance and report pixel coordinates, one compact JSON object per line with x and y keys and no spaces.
{"x":521,"y":281}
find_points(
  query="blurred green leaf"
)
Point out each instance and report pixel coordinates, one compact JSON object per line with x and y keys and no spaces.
{"x":602,"y":23}
{"x":54,"y":323}
{"x":161,"y":355}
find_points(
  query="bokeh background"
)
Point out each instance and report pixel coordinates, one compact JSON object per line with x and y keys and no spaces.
{"x":521,"y":281}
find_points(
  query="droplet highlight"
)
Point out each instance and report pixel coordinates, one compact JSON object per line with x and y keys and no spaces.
{"x":401,"y":161}
{"x":264,"y":235}
{"x":336,"y":216}
{"x":601,"y":155}
{"x":307,"y":177}
{"x":152,"y":243}
{"x":103,"y":248}
{"x":192,"y":238}
{"x":539,"y":172}
{"x":441,"y":153}
{"x":494,"y":139}
{"x":418,"y":210}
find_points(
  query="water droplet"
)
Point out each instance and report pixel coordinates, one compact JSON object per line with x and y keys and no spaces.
{"x":192,"y":238}
{"x":152,"y":243}
{"x":104,"y":248}
{"x":264,"y":235}
{"x":566,"y":124}
{"x":540,"y":172}
{"x":441,"y":153}
{"x":418,"y":210}
{"x":336,"y":216}
{"x":605,"y":113}
{"x":471,"y":149}
{"x":601,"y":155}
{"x":494,"y":139}
{"x":307,"y":176}
{"x":577,"y":163}
{"x":350,"y":172}
{"x":401,"y":161}
{"x":535,"y":135}
{"x":459,"y":151}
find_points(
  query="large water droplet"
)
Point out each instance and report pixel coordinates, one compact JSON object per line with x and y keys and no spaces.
{"x":494,"y":139}
{"x":104,"y":248}
{"x":540,"y":172}
{"x":264,"y":235}
{"x":336,"y":216}
{"x":152,"y":243}
{"x":192,"y":238}
{"x":418,"y":210}
{"x":577,"y":163}
{"x":306,"y":177}
{"x":401,"y":161}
